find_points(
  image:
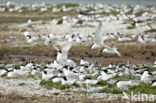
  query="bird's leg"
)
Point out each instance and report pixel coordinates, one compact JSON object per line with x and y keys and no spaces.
{"x":100,"y":52}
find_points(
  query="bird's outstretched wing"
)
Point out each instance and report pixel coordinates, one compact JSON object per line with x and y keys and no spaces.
{"x":55,"y":47}
{"x":65,"y":49}
{"x":97,"y":36}
{"x":98,"y":39}
{"x":116,"y":51}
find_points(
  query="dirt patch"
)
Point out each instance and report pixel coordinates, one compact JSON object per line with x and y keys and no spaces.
{"x":12,"y":98}
{"x":135,"y":54}
{"x":37,"y":14}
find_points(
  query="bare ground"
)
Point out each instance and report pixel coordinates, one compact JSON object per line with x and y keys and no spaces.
{"x":13,"y":98}
{"x":134,"y":53}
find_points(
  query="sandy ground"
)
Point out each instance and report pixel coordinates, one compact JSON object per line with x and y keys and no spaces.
{"x":32,"y":92}
{"x":88,"y":28}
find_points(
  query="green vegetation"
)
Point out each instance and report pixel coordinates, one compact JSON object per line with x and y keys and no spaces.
{"x":16,"y":66}
{"x":21,"y":84}
{"x":130,"y":27}
{"x":89,"y":77}
{"x":7,"y":20}
{"x":12,"y":20}
{"x":105,"y":13}
{"x":67,"y":5}
{"x":110,"y":89}
{"x":140,"y":13}
{"x":152,"y":30}
{"x":84,"y":85}
{"x":140,"y":21}
{"x":114,"y":13}
{"x":4,"y":75}
{"x":49,"y":84}
{"x":76,"y":84}
{"x":60,"y":21}
{"x":110,"y":13}
{"x":25,"y":9}
{"x":2,"y":67}
{"x":101,"y":83}
{"x":151,"y":69}
{"x":124,"y":78}
{"x":143,"y":88}
{"x":130,"y":12}
{"x":80,"y":22}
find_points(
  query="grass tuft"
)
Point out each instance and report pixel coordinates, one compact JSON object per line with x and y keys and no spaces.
{"x":60,"y":21}
{"x":67,"y":5}
{"x":112,"y":90}
{"x":151,"y":31}
{"x":143,"y":88}
{"x":16,"y":66}
{"x":2,"y":67}
{"x":49,"y":84}
{"x":46,"y":83}
{"x":124,"y":78}
{"x":89,"y":77}
{"x":76,"y":84}
{"x":4,"y":75}
{"x":21,"y":84}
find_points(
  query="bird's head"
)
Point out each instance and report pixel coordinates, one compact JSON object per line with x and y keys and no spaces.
{"x":45,"y":72}
{"x":59,"y":51}
{"x":28,"y":36}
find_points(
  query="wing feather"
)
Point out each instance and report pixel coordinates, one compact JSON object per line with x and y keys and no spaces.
{"x":97,"y":36}
{"x":65,"y":49}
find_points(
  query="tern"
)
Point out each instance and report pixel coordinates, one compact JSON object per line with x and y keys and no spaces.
{"x":62,"y":55}
{"x":111,"y":50}
{"x":98,"y":40}
{"x":125,"y":84}
{"x":94,"y":89}
{"x":146,"y":77}
{"x":29,"y":23}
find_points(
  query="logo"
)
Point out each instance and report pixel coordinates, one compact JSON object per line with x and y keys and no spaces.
{"x":139,"y":97}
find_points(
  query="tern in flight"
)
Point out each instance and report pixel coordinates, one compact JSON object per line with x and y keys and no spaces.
{"x":99,"y":42}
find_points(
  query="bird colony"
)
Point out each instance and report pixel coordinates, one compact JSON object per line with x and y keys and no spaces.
{"x":83,"y":73}
{"x":67,"y":72}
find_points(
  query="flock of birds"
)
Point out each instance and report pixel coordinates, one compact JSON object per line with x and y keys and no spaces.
{"x":68,"y":39}
{"x":124,"y":15}
{"x":67,"y":71}
{"x":15,"y":7}
{"x":137,"y":15}
{"x":99,"y":37}
{"x":70,"y":73}
{"x":93,"y":12}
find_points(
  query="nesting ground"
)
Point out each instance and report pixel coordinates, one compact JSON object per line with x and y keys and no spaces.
{"x":19,"y":51}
